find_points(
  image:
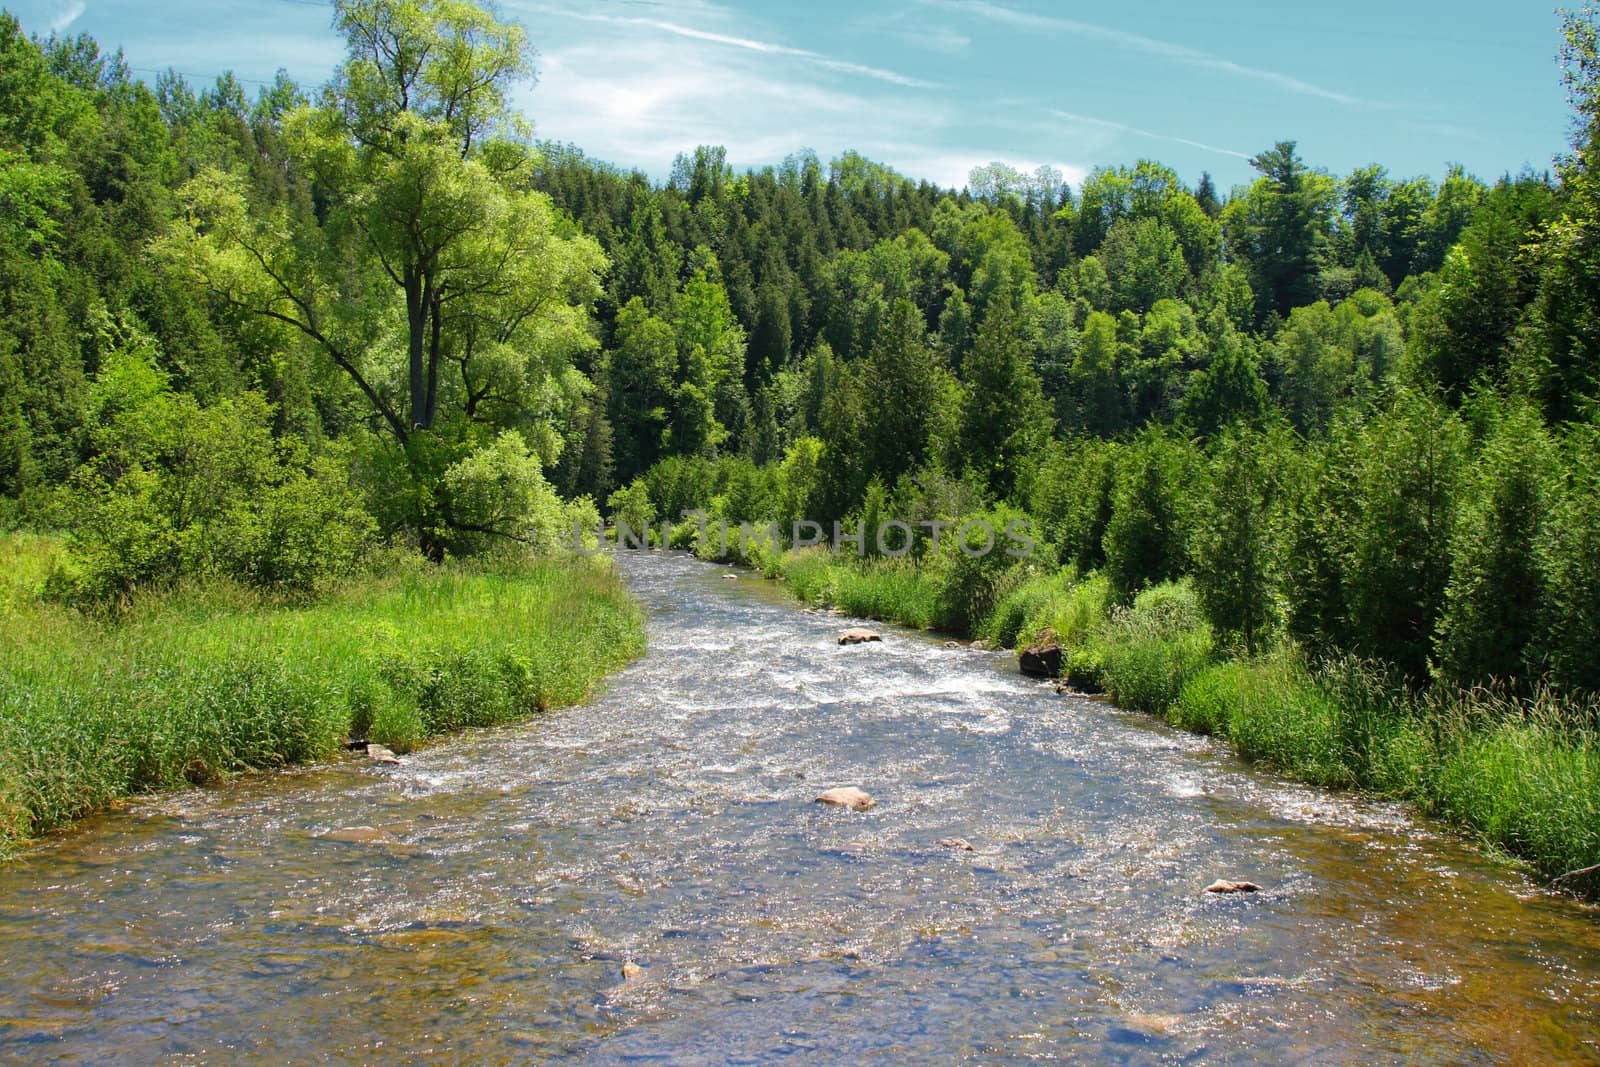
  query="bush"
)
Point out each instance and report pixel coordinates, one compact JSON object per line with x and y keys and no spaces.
{"x":966,"y":576}
{"x":499,"y":493}
{"x":177,"y":490}
{"x":1149,"y":651}
{"x":1032,"y":595}
{"x":632,"y":507}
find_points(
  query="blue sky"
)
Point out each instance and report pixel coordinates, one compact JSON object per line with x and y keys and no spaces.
{"x":934,"y":87}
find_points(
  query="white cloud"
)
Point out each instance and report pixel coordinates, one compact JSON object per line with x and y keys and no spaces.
{"x":1149,"y":45}
{"x":747,"y":44}
{"x":639,"y":96}
{"x":1123,"y":127}
{"x":67,"y":15}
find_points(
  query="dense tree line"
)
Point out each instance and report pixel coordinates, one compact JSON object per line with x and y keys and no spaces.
{"x":1359,"y":410}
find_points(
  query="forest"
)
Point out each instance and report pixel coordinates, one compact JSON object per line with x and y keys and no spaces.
{"x":1314,"y":461}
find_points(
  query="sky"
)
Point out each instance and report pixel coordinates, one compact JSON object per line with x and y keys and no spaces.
{"x":936,"y":87}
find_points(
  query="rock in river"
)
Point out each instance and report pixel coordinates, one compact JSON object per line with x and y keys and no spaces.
{"x":1042,"y":659}
{"x":1222,"y":885}
{"x":847,"y":797}
{"x":960,"y":844}
{"x":379,"y":754}
{"x":858,"y":637}
{"x":360,"y":835}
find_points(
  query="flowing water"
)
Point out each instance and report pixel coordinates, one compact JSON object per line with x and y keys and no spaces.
{"x":509,"y":880}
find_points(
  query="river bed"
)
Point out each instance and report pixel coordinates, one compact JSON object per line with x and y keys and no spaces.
{"x":646,"y":880}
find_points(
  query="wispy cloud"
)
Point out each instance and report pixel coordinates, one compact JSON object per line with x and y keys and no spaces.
{"x":68,"y":14}
{"x":1107,"y":124}
{"x":1149,"y":45}
{"x":633,"y":103}
{"x":747,"y":44}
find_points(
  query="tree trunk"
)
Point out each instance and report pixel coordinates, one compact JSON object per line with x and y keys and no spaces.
{"x":416,"y":327}
{"x":435,"y":344}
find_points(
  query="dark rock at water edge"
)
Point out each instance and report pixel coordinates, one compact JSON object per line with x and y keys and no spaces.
{"x":1042,"y":659}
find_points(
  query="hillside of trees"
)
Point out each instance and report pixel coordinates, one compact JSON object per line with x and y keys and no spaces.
{"x":255,"y":338}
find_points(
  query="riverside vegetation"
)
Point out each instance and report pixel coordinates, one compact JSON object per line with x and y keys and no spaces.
{"x":1314,"y":462}
{"x":199,"y":682}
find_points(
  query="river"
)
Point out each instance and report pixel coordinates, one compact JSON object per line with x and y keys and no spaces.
{"x":646,"y":880}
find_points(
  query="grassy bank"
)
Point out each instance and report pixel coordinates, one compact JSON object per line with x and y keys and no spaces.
{"x":196,"y":684}
{"x":1523,"y":776}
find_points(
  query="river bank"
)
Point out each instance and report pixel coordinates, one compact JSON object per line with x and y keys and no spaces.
{"x":197,"y":684}
{"x":1522,"y":776}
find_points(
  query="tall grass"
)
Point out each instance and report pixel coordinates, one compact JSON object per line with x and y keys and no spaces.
{"x":1522,"y":776}
{"x":891,"y":590}
{"x":1146,"y":653}
{"x":196,"y":684}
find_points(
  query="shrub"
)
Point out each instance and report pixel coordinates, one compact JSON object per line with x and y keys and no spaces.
{"x":499,"y":493}
{"x":1149,"y":651}
{"x":179,"y":490}
{"x":1032,"y":595}
{"x":633,"y":508}
{"x":967,"y":574}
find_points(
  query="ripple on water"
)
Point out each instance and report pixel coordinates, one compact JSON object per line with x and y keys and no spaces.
{"x":510,"y":876}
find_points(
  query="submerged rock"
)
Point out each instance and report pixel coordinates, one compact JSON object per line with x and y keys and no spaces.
{"x":360,"y":835}
{"x":859,"y":637}
{"x":1042,"y":659}
{"x":1222,"y":885}
{"x":847,"y":797}
{"x":730,"y":577}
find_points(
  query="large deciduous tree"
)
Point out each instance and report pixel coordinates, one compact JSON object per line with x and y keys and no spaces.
{"x":447,"y":293}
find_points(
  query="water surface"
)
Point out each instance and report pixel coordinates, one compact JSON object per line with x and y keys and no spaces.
{"x":510,"y":875}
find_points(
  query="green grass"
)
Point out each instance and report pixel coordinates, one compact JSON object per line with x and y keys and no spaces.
{"x":1146,"y":653}
{"x":1523,"y":777}
{"x":197,"y":684}
{"x":891,"y":590}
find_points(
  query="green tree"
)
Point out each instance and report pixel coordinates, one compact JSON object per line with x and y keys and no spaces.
{"x":1005,"y":420}
{"x":1145,"y":538}
{"x":1280,"y":229}
{"x":641,"y":380}
{"x":1231,"y":542}
{"x":1408,"y":469}
{"x":1492,"y":601}
{"x":900,"y":383}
